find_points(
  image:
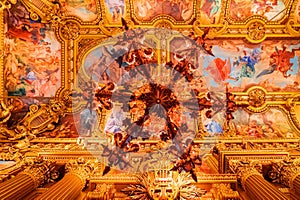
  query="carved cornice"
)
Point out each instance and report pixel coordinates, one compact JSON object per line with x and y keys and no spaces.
{"x":255,"y":145}
{"x":102,"y":191}
{"x":264,"y":157}
{"x":224,"y":191}
{"x":132,"y":179}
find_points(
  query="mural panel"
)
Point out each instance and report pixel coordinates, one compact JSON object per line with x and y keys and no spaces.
{"x":272,"y":10}
{"x":272,"y":124}
{"x":271,"y":64}
{"x":210,"y":11}
{"x":32,"y":61}
{"x":180,"y":10}
{"x":84,"y":9}
{"x":115,"y":10}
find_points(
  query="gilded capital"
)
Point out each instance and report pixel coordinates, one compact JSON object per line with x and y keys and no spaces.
{"x":245,"y":169}
{"x":41,"y":171}
{"x":285,"y":171}
{"x":83,"y":168}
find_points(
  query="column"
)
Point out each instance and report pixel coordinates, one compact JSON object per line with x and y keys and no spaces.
{"x":67,"y":188}
{"x":17,"y":187}
{"x":77,"y":171}
{"x":296,"y":183}
{"x":287,"y":172}
{"x":26,"y":181}
{"x":257,"y":188}
{"x":254,"y":184}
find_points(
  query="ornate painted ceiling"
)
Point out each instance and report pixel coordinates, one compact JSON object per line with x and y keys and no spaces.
{"x":133,"y":81}
{"x":57,"y":52}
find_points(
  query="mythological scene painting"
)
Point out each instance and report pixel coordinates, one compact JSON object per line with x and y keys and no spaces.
{"x":32,"y":56}
{"x":273,"y":65}
{"x":272,"y":10}
{"x":150,"y":99}
{"x":115,"y":10}
{"x":130,"y":79}
{"x":210,"y":11}
{"x":84,"y":9}
{"x":180,"y":10}
{"x":213,"y":120}
{"x":271,"y":124}
{"x":86,"y":123}
{"x":99,"y":65}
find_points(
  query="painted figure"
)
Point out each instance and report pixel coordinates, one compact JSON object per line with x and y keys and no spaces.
{"x":211,"y":125}
{"x":178,"y":9}
{"x":280,"y":61}
{"x":247,"y":63}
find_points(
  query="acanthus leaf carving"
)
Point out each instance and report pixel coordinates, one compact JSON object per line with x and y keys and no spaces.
{"x":284,"y":171}
{"x":40,"y":170}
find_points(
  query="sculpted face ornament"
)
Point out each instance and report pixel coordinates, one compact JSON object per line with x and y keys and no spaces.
{"x":162,"y":185}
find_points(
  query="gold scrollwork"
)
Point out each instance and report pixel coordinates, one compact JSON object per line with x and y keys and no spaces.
{"x":291,"y":29}
{"x":257,"y":97}
{"x":70,"y":30}
{"x":6,"y":4}
{"x":256,"y":31}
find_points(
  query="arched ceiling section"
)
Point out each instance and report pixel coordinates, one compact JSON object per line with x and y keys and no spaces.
{"x":254,"y":20}
{"x":255,"y":53}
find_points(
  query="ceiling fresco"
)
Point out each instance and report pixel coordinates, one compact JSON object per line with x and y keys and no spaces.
{"x":152,"y":99}
{"x":140,"y":79}
{"x":64,"y":50}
